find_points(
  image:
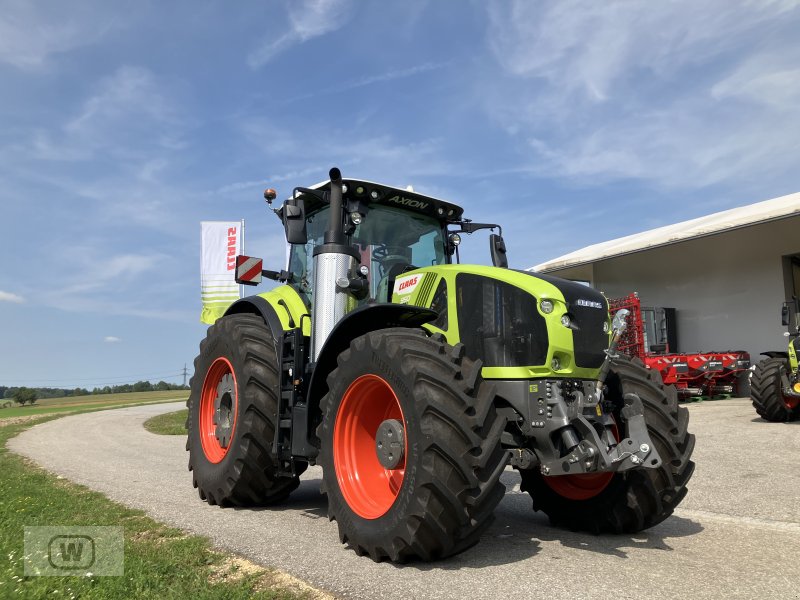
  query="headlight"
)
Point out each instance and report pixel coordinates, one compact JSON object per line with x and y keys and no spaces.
{"x":555,"y":364}
{"x":566,"y":321}
{"x":356,"y":218}
{"x":455,"y":239}
{"x":605,"y":327}
{"x":546,"y":306}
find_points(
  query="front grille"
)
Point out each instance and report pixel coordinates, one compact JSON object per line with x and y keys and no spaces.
{"x":589,"y":340}
{"x":589,"y":309}
{"x":499,"y":323}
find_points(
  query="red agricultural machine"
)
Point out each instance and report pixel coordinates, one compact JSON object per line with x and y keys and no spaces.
{"x":652,"y":337}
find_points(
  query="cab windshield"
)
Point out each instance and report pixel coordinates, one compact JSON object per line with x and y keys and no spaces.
{"x":389,"y":241}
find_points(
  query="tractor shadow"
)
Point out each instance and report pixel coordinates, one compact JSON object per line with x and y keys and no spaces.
{"x":519,"y":533}
{"x":306,"y":500}
{"x":761,"y":421}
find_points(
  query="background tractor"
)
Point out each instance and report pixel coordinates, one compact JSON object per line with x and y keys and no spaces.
{"x":775,"y":384}
{"x":414,"y":381}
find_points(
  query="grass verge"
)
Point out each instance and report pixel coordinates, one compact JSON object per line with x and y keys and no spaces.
{"x":173,"y":423}
{"x":160,"y":561}
{"x":80,"y":403}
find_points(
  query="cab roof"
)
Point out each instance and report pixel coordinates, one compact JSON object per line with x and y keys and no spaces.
{"x":370,"y":193}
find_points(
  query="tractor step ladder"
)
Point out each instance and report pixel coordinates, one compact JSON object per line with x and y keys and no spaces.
{"x":292,"y":355}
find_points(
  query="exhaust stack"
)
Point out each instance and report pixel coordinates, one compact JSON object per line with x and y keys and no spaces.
{"x":333,"y":260}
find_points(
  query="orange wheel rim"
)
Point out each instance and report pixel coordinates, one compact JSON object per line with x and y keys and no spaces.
{"x":369,"y":488}
{"x":218,"y":410}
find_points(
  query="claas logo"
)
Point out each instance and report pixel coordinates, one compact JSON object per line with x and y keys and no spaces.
{"x":408,"y":283}
{"x":231,"y":248}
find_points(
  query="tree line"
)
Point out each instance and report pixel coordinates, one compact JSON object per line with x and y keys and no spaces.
{"x":25,"y":395}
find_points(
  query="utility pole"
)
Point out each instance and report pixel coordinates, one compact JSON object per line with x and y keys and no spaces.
{"x":184,"y":374}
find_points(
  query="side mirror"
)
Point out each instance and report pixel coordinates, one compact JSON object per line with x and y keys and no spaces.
{"x":293,"y":215}
{"x":785,"y":314}
{"x":498,"y":249}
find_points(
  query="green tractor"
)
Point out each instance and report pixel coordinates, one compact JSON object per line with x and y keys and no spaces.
{"x":775,"y":383}
{"x":414,"y":381}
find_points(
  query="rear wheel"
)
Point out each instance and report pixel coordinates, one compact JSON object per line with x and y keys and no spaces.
{"x":632,"y":500}
{"x":766,"y":391}
{"x":231,"y":420}
{"x":411,"y":449}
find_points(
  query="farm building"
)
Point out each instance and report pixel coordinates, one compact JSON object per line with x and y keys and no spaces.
{"x":725,"y":274}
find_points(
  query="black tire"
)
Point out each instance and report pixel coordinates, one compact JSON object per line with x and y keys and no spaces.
{"x":766,"y":391}
{"x":245,"y":476}
{"x":640,"y":498}
{"x":454,"y":458}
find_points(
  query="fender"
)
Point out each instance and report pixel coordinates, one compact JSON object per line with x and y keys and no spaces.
{"x":356,"y":323}
{"x":776,"y":354}
{"x":256,"y":305}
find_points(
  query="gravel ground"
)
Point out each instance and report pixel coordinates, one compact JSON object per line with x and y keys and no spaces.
{"x":736,"y":535}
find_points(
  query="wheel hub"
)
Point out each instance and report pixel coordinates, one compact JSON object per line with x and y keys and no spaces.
{"x":390,"y":443}
{"x":223,"y":410}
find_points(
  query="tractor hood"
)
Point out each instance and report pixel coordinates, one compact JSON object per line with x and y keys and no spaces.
{"x":520,"y":324}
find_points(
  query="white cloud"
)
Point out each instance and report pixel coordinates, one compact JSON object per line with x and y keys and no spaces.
{"x":378,"y":155}
{"x":9,"y":297}
{"x":112,"y":339}
{"x":31,"y":33}
{"x":679,"y":94}
{"x":308,"y":19}
{"x":390,"y":75}
{"x":129,"y":115}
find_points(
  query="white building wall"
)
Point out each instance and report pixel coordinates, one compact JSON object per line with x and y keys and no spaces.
{"x":727,"y":288}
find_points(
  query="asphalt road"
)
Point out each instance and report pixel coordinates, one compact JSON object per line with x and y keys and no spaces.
{"x":736,"y":535}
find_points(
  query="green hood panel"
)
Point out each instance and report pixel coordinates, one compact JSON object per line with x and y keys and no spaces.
{"x":419,"y":288}
{"x":290,"y":308}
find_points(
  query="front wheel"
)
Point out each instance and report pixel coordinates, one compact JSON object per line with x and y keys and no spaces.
{"x":411,"y":451}
{"x":231,"y":422}
{"x":766,"y":392}
{"x":633,"y":500}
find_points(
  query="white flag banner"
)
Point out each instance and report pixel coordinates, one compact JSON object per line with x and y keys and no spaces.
{"x":221,"y":241}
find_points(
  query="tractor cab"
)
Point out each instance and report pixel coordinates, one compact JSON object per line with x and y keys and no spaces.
{"x":391,"y":231}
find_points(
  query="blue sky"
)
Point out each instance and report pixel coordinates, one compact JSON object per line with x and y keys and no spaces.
{"x":568,"y":122}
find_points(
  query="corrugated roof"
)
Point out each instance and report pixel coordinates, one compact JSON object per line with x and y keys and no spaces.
{"x":726,"y":220}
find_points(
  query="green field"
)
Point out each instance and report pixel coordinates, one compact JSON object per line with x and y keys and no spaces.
{"x":80,"y":403}
{"x":160,"y":561}
{"x":172,"y":423}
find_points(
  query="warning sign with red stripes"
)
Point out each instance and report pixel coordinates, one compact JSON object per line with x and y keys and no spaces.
{"x":248,"y":270}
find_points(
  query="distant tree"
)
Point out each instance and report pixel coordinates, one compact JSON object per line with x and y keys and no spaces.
{"x":142,"y":386}
{"x":162,"y":386}
{"x":25,"y":395}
